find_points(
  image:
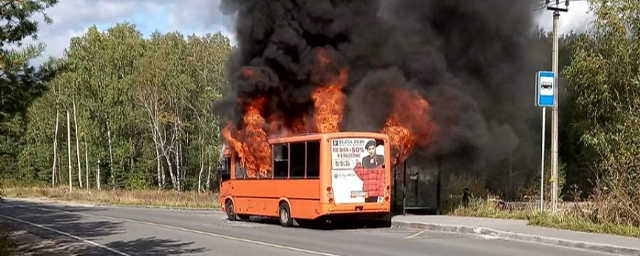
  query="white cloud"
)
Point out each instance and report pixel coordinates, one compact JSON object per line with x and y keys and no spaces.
{"x":73,"y":17}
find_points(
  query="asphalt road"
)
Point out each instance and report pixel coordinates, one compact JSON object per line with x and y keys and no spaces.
{"x":143,"y":231}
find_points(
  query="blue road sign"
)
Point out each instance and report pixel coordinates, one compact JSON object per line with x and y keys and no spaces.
{"x":545,"y":93}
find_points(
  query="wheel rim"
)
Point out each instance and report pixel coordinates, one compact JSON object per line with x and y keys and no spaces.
{"x":284,"y":216}
{"x":229,"y":208}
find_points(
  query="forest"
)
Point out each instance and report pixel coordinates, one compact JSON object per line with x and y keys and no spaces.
{"x":129,"y":111}
{"x":117,"y":111}
{"x":123,"y":111}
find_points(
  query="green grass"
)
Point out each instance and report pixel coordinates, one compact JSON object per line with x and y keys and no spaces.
{"x":119,"y":197}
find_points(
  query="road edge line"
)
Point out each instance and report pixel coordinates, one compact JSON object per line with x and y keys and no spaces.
{"x":520,"y":237}
{"x":66,"y":234}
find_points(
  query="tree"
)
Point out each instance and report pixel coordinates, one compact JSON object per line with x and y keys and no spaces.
{"x":20,"y":83}
{"x":138,"y":108}
{"x":604,"y":78}
{"x":208,"y":56}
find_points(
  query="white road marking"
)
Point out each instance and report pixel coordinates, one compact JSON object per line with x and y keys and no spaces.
{"x":193,"y":231}
{"x":66,"y":234}
{"x":415,"y":235}
{"x":488,"y":237}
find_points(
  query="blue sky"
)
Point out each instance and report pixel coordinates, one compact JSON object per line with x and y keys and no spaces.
{"x":74,"y":17}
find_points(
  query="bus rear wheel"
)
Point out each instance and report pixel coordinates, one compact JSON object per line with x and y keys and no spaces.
{"x":285,"y":215}
{"x":231,"y":214}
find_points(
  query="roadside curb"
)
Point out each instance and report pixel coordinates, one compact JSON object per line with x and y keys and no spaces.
{"x":98,"y":204}
{"x":519,"y":236}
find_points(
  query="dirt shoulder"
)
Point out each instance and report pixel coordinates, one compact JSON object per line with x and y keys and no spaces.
{"x":29,"y":244}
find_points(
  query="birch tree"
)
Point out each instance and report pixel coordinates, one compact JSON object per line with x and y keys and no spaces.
{"x":141,"y":111}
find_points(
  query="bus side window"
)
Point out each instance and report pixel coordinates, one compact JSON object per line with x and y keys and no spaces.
{"x":280,"y":161}
{"x":227,"y":165}
{"x":313,"y":159}
{"x":224,"y":169}
{"x":297,"y":160}
{"x":240,"y":172}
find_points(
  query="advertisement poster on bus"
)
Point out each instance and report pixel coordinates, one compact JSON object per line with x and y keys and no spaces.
{"x":357,"y":172}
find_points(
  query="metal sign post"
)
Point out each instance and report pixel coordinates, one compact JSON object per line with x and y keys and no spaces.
{"x":545,"y":97}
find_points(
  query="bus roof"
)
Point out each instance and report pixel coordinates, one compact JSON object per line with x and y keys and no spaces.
{"x":320,"y":136}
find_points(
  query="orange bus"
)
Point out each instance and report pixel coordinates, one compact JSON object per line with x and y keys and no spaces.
{"x":312,"y":177}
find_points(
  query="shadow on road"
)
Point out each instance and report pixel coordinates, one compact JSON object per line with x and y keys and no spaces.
{"x":70,"y":220}
{"x":145,"y":246}
{"x":338,"y":224}
{"x":52,"y":217}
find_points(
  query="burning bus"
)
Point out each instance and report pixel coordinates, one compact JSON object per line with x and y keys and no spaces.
{"x":311,"y":176}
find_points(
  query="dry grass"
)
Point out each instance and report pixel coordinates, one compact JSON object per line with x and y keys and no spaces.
{"x":570,"y":216}
{"x":613,"y":212}
{"x":578,"y":223}
{"x":7,"y":244}
{"x":119,"y":197}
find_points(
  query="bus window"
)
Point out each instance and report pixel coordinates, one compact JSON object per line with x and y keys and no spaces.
{"x":281,"y":161}
{"x":240,"y":171}
{"x":224,"y":168}
{"x":297,"y":160}
{"x":313,"y":159}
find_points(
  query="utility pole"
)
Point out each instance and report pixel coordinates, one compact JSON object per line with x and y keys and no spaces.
{"x":554,"y":114}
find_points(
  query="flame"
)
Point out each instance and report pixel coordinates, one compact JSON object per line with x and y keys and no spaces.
{"x":276,"y":126}
{"x":251,"y":73}
{"x":329,"y":100}
{"x":299,"y":126}
{"x":251,"y":143}
{"x":409,"y":123}
{"x":323,"y":58}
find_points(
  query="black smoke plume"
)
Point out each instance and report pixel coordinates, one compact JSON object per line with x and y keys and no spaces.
{"x":469,"y":59}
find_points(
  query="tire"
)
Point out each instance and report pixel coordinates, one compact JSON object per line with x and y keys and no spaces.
{"x":231,"y":214}
{"x":284,"y":215}
{"x":386,"y":221}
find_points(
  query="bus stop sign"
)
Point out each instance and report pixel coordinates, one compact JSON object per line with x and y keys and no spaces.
{"x":545,"y":93}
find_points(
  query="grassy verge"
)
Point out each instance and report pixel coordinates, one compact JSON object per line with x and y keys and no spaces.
{"x":570,"y":217}
{"x":119,"y":197}
{"x":580,"y":224}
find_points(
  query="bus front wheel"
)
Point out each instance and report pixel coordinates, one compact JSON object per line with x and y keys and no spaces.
{"x":285,"y":215}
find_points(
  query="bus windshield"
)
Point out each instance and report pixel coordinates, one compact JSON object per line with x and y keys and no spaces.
{"x":358,"y":170}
